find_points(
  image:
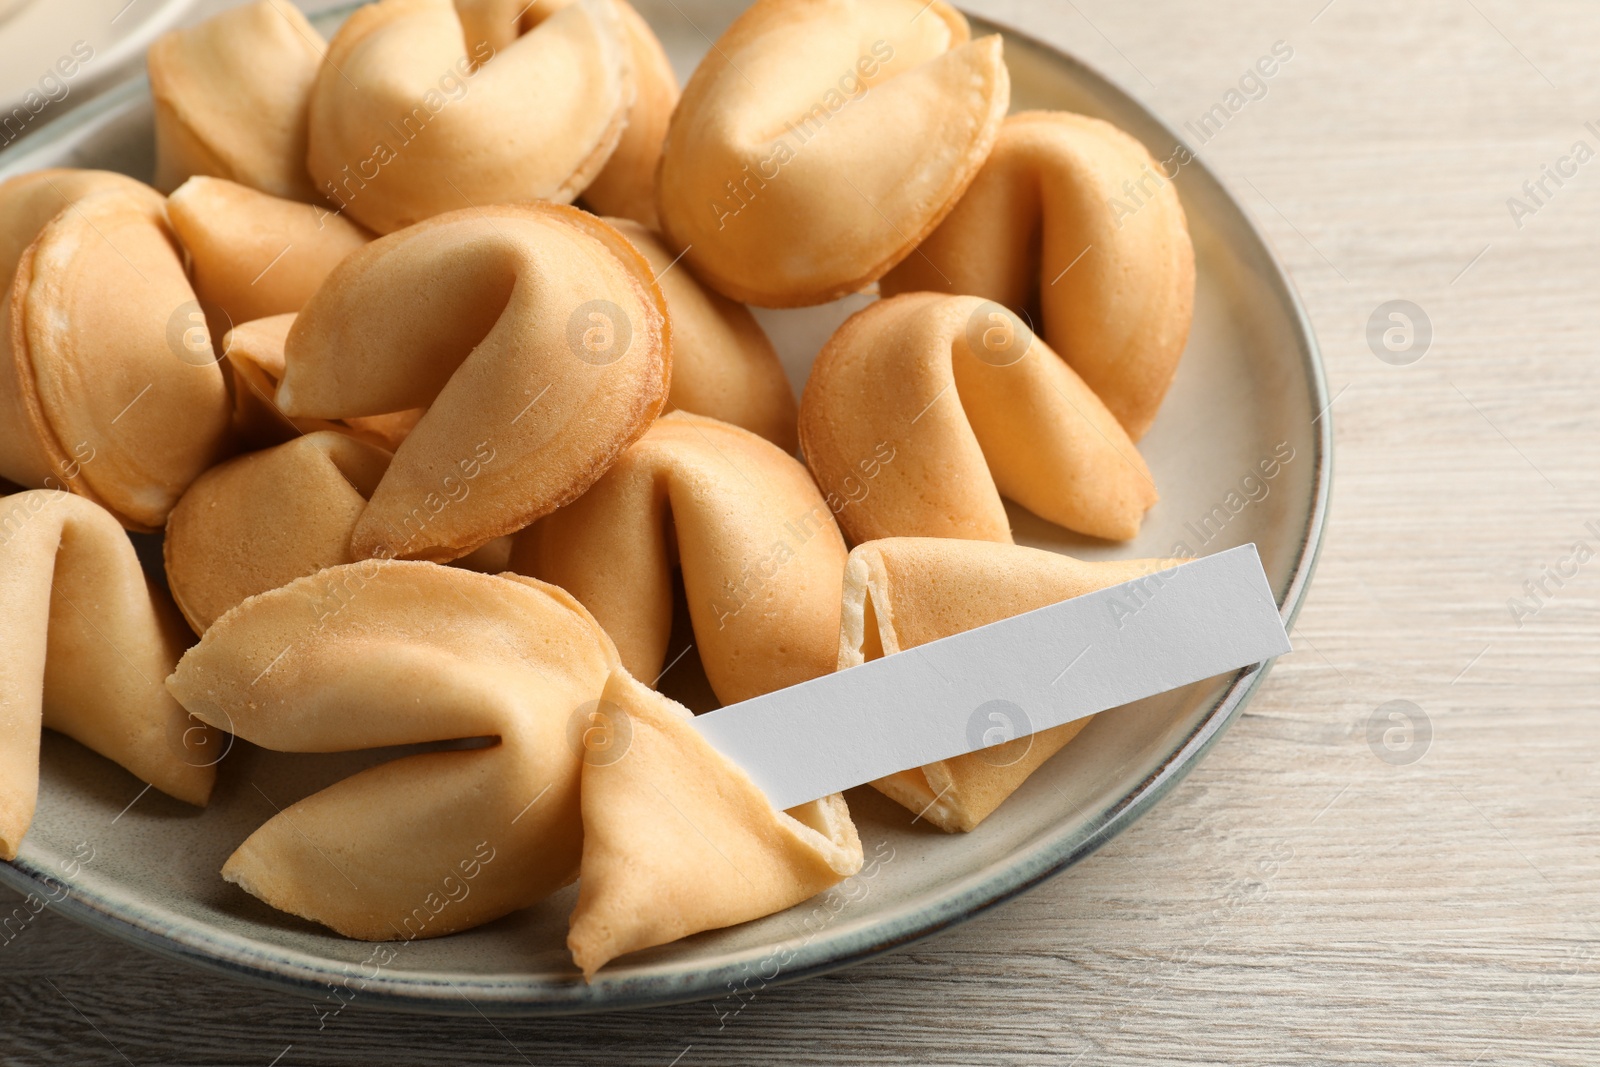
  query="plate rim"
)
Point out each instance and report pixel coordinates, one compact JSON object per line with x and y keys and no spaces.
{"x":114,"y":60}
{"x":291,"y":971}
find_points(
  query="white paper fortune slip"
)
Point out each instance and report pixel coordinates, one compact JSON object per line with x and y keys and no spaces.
{"x":1015,"y":677}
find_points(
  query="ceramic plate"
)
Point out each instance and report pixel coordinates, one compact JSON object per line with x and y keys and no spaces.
{"x":1249,"y":399}
{"x":53,"y":52}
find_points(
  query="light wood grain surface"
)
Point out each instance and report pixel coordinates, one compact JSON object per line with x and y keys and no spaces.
{"x":1298,"y":899}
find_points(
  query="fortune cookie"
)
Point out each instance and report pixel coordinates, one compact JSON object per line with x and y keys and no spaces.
{"x":230,"y":99}
{"x":723,"y":365}
{"x":677,"y":839}
{"x":87,"y":645}
{"x":30,"y":200}
{"x":254,"y":255}
{"x":1071,"y":217}
{"x":386,"y":652}
{"x":261,"y":520}
{"x":27,"y":202}
{"x":491,"y":558}
{"x":973,"y":407}
{"x":255,"y":355}
{"x":407,"y":123}
{"x":820,"y":140}
{"x":108,"y":379}
{"x":902,"y":592}
{"x":626,"y":186}
{"x":760,"y":554}
{"x":531,"y":333}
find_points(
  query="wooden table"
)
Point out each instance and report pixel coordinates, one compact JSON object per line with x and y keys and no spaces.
{"x":1298,"y":899}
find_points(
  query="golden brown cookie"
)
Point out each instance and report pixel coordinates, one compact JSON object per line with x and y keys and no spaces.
{"x":255,"y":255}
{"x":408,"y":121}
{"x":676,"y":839}
{"x":970,"y":407}
{"x":532,"y":334}
{"x":626,"y":185}
{"x":107,"y":366}
{"x":230,"y":98}
{"x":255,"y":356}
{"x":87,"y":646}
{"x":723,"y":365}
{"x":386,"y":652}
{"x":820,"y":140}
{"x":261,"y":520}
{"x":27,"y":202}
{"x":759,"y":552}
{"x":902,"y":592}
{"x":1071,"y":217}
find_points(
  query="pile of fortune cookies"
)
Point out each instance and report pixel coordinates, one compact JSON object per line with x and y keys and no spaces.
{"x":437,"y":455}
